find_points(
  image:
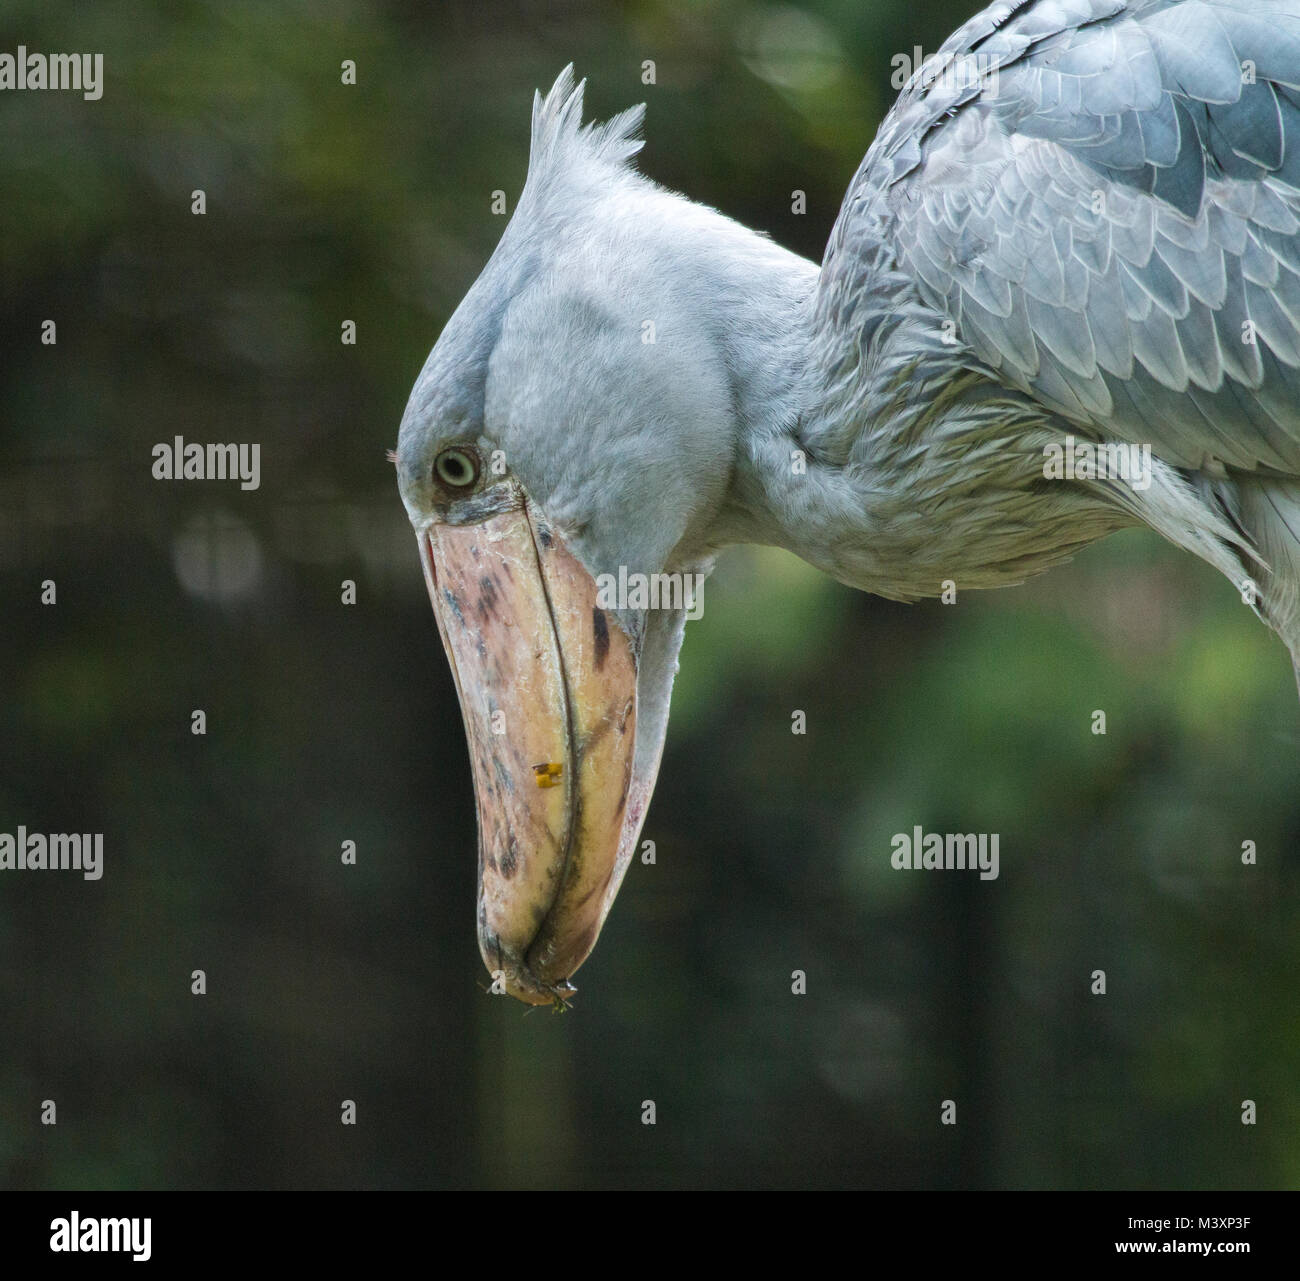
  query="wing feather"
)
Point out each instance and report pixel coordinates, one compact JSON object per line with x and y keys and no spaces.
{"x":1110,"y":215}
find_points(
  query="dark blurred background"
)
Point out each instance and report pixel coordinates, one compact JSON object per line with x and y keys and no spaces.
{"x":328,"y":722}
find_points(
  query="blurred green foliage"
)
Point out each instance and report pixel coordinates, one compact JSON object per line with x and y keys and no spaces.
{"x":328,"y":202}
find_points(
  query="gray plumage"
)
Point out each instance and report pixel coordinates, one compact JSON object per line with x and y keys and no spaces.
{"x":1103,"y":199}
{"x":1081,"y":218}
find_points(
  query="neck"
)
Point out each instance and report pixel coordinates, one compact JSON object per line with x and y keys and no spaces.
{"x":882,"y":452}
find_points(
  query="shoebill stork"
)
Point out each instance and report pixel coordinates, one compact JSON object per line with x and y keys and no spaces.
{"x":1078,"y":225}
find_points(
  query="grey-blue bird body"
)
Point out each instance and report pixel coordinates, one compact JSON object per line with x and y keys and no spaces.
{"x":1062,"y":297}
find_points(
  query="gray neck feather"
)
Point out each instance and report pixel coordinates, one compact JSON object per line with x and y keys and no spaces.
{"x":879,"y":450}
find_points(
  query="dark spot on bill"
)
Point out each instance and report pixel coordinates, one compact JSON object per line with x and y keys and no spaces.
{"x":510,"y":857}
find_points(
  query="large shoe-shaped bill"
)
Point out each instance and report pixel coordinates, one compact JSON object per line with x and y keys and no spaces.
{"x":548,"y":689}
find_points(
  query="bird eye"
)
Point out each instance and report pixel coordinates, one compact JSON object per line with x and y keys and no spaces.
{"x":456,"y":467}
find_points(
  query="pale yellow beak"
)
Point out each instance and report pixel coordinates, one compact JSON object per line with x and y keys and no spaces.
{"x":547,"y":683}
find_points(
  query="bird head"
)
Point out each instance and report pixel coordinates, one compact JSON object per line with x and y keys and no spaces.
{"x":564,"y":458}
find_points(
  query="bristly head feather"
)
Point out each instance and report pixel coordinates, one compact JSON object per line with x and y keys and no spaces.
{"x":562,"y":144}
